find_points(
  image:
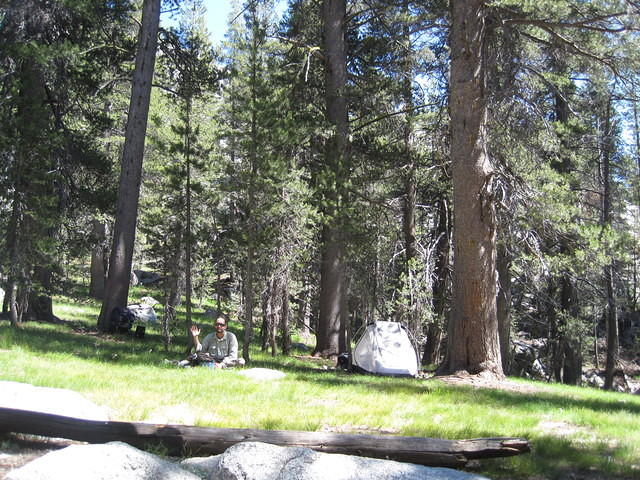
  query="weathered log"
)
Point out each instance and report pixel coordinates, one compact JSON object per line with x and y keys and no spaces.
{"x":183,"y":440}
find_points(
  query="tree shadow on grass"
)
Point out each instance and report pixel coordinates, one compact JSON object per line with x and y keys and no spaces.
{"x":339,"y":378}
{"x":554,"y":400}
{"x":552,"y":457}
{"x":489,"y":397}
{"x":556,"y":458}
{"x":40,"y":338}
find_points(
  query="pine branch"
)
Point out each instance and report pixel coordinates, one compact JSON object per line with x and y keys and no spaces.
{"x":393,"y":114}
{"x":580,"y":24}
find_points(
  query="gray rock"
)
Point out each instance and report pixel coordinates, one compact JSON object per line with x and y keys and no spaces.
{"x":150,"y":301}
{"x":147,"y":278}
{"x":261,"y":461}
{"x":201,"y":466}
{"x":57,"y":401}
{"x":111,"y":461}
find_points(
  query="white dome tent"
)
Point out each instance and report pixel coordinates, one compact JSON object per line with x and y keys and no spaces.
{"x":384,"y":348}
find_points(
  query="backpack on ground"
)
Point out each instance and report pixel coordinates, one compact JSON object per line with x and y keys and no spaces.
{"x":121,"y":320}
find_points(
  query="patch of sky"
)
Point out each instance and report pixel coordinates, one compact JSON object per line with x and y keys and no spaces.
{"x":218,"y":15}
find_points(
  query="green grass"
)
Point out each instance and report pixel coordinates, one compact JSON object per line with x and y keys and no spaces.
{"x":572,"y":430}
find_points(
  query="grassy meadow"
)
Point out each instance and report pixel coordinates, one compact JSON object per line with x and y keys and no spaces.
{"x":574,"y":432}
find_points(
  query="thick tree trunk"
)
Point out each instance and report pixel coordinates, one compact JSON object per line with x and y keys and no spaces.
{"x":473,"y":343}
{"x":117,"y":290}
{"x":336,"y":158}
{"x":331,"y":292}
{"x":40,"y":301}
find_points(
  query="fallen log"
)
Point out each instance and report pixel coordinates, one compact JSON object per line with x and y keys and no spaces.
{"x":183,"y":440}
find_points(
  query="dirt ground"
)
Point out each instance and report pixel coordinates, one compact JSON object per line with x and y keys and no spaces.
{"x":489,"y":381}
{"x":17,"y":450}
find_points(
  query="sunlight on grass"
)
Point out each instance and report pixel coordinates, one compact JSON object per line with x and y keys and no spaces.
{"x":569,"y":427}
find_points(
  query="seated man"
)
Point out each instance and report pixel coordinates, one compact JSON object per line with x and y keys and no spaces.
{"x":220,"y":347}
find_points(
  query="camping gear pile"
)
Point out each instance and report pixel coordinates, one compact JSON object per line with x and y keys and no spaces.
{"x":122,"y":319}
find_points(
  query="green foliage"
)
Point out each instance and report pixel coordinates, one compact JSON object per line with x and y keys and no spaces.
{"x":247,"y":122}
{"x":58,"y":61}
{"x":264,"y":205}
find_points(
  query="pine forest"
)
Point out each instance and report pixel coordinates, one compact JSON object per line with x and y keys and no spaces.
{"x":467,"y":168}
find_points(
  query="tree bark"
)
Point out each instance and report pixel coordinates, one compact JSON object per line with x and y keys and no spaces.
{"x":248,"y":299}
{"x":331,"y":292}
{"x":571,"y":343}
{"x":173,"y":289}
{"x":32,"y":187}
{"x":303,"y":316}
{"x":250,"y":260}
{"x":271,"y":313}
{"x":13,"y":277}
{"x":504,"y":305}
{"x":336,"y":158}
{"x":181,"y":440}
{"x":187,"y":235}
{"x":285,"y":322}
{"x":117,"y":289}
{"x":636,"y":136}
{"x":5,"y":304}
{"x":440,"y":285}
{"x":98,"y":260}
{"x":40,"y":302}
{"x":613,"y":340}
{"x":412,"y":316}
{"x":473,"y":343}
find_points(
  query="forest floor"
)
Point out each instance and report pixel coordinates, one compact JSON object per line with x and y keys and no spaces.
{"x":630,"y":368}
{"x":560,"y":429}
{"x":17,"y":450}
{"x":489,"y":381}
